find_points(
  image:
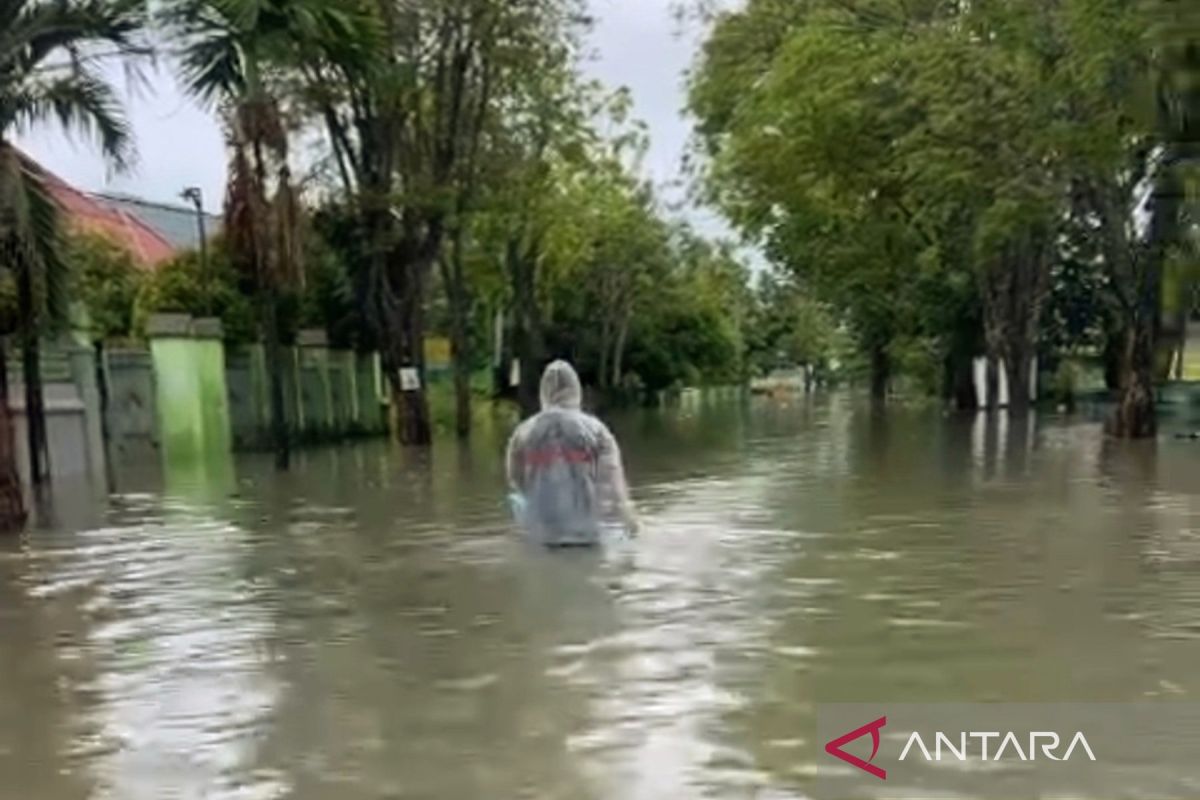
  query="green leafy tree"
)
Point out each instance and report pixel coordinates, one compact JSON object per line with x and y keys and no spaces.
{"x":106,"y":280}
{"x":531,"y":224}
{"x":808,"y":88}
{"x":188,"y":285}
{"x":916,"y":165}
{"x":407,"y":112}
{"x":1165,"y":155}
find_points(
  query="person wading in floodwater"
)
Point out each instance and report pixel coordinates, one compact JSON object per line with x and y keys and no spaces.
{"x":564,"y":467}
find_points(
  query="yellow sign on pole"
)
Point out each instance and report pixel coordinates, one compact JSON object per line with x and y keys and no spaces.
{"x":437,"y":352}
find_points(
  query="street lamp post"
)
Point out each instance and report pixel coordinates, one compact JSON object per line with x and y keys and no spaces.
{"x":193,"y":195}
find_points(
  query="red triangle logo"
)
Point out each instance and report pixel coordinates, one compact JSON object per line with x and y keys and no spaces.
{"x":834,"y":748}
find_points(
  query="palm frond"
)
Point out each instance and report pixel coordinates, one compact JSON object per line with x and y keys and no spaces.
{"x":81,"y":102}
{"x":48,"y":58}
{"x":213,"y":68}
{"x":30,"y":228}
{"x":226,"y":44}
{"x":215,"y":36}
{"x":41,"y":30}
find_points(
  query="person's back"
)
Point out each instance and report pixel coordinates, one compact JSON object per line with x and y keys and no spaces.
{"x":566,"y":466}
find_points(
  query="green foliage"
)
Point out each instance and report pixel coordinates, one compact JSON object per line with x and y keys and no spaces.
{"x":915,"y":165}
{"x":44,"y":79}
{"x":107,"y":282}
{"x":486,"y":415}
{"x":681,"y":302}
{"x":187,"y":285}
{"x":327,"y":301}
{"x":685,"y":344}
{"x":788,"y":327}
{"x":918,"y":360}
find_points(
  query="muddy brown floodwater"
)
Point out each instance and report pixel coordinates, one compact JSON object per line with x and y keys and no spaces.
{"x":368,"y":626}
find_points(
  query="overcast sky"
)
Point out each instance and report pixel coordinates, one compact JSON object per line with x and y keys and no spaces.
{"x":635,"y":43}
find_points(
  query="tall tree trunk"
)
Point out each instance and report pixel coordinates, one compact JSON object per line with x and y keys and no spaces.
{"x":958,"y":379}
{"x":993,"y":342}
{"x":881,"y":372}
{"x":605,"y":349}
{"x":1014,"y":290}
{"x":1017,"y":364}
{"x":12,"y":500}
{"x":606,"y":333}
{"x":502,"y":357}
{"x":403,"y":271}
{"x":275,"y":365}
{"x":31,"y":369}
{"x":619,"y":350}
{"x":991,"y":380}
{"x":458,"y":300}
{"x":105,"y":433}
{"x":462,"y":385}
{"x":530,"y":373}
{"x":1135,"y":416}
{"x":268,"y":295}
{"x":1113,"y":356}
{"x":410,"y":403}
{"x":529,"y":345}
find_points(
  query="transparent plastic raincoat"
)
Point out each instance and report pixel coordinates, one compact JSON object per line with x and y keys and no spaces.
{"x":564,"y":467}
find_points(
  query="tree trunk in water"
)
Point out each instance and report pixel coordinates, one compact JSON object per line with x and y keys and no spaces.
{"x":31,"y":368}
{"x":960,"y":382}
{"x":1181,"y":326}
{"x":991,"y":380}
{"x":411,"y":404}
{"x":528,"y":334}
{"x":606,"y":348}
{"x":12,"y":500}
{"x":1113,"y":357}
{"x":105,"y":433}
{"x":619,"y":351}
{"x":1016,"y":368}
{"x":275,"y":365}
{"x":459,"y":301}
{"x":1014,"y":289}
{"x":1134,"y":417}
{"x":268,"y":281}
{"x":527,"y":393}
{"x":460,"y":350}
{"x":528,"y":347}
{"x":462,"y":397}
{"x":881,"y":373}
{"x":502,"y":368}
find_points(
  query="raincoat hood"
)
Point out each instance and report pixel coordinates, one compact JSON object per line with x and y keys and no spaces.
{"x":561,"y":387}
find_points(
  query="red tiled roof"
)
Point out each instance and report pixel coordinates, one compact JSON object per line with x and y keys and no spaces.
{"x":148,"y":247}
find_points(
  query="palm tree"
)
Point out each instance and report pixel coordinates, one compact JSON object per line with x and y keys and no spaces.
{"x":50,"y":51}
{"x":232,"y":49}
